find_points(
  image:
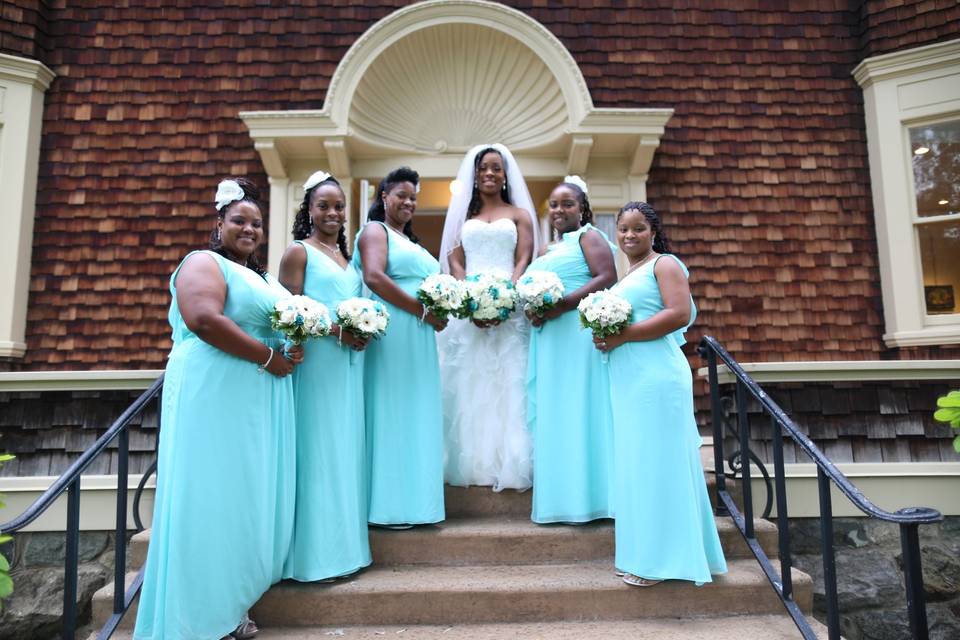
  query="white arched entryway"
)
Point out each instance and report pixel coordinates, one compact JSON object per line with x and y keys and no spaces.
{"x":431,"y":80}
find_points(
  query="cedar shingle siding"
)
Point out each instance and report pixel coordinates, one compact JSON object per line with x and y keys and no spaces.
{"x":761,"y":177}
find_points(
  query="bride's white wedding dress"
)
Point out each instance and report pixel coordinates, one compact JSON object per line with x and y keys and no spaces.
{"x":483,"y":375}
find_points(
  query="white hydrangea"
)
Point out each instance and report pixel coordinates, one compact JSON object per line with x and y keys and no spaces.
{"x":605,"y":313}
{"x":363,"y":317}
{"x":539,"y":291}
{"x":443,"y":295}
{"x":490,"y":295}
{"x":299,"y":318}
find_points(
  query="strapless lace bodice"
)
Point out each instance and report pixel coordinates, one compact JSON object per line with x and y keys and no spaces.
{"x":489,"y":245}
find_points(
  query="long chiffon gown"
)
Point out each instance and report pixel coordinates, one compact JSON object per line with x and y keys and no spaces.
{"x":664,"y":526}
{"x":568,"y":408}
{"x":223,"y":512}
{"x":330,"y":533}
{"x":402,"y":400}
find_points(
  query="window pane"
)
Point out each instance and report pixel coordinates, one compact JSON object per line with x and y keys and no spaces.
{"x":940,"y":258}
{"x":935,"y":149}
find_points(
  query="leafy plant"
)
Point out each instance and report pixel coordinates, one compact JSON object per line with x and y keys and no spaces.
{"x":6,"y":583}
{"x":949,"y":411}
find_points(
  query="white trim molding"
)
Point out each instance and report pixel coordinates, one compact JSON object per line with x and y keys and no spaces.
{"x":23,"y":83}
{"x":483,"y":72}
{"x":900,"y":90}
{"x":842,"y":371}
{"x":78,"y":380}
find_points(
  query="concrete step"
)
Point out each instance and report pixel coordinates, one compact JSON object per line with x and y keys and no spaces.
{"x":101,"y":608}
{"x":768,"y":627}
{"x":438,"y":595}
{"x":506,"y":540}
{"x":509,"y":540}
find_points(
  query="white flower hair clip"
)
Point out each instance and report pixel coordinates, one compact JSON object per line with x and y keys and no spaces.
{"x":228,"y":191}
{"x":576,"y":180}
{"x":315,"y":179}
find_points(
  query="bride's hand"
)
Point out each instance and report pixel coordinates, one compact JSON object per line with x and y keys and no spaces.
{"x":486,"y":324}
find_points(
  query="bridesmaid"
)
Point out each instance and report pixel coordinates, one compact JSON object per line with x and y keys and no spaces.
{"x":402,"y":394}
{"x":665,"y":528}
{"x":567,"y":385}
{"x":330,"y":532}
{"x":223,"y":511}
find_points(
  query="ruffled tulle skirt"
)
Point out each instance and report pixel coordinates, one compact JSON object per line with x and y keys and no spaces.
{"x":483,"y":374}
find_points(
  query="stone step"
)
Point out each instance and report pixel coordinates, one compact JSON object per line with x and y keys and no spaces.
{"x":438,"y":595}
{"x":507,"y":540}
{"x":768,"y":627}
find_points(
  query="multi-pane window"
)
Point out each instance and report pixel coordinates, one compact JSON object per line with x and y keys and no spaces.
{"x":935,"y":151}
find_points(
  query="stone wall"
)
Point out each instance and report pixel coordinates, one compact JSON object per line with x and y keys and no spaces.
{"x":35,"y":608}
{"x":870,"y":576}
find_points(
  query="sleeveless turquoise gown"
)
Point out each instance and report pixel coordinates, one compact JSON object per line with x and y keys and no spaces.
{"x":330,"y":532}
{"x":568,"y":408}
{"x":224,"y":505}
{"x":665,"y":529}
{"x":402,"y":399}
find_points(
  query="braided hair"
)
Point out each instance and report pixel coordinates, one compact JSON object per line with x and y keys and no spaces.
{"x":378,"y":212}
{"x":303,"y":224}
{"x":586,"y":213}
{"x":475,"y":202}
{"x":251,"y":194}
{"x":661,"y":243}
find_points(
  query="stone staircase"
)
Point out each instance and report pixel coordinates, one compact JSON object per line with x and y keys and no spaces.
{"x":488,"y":572}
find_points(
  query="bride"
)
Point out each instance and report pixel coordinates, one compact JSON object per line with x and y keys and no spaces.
{"x":490,"y":224}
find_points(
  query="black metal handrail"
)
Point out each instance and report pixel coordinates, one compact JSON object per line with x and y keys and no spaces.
{"x":69,"y":481}
{"x":909,"y":519}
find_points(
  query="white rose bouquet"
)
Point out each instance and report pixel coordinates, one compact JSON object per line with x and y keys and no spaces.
{"x":539,"y":291}
{"x":299,"y":318}
{"x":605,"y":313}
{"x":443,"y":296}
{"x":363,"y":317}
{"x":490,"y":295}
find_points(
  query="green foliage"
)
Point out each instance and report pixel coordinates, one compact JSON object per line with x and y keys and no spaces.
{"x":949,"y":412}
{"x":6,"y":584}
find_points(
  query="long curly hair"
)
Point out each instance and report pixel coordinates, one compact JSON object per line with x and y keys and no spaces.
{"x":377,"y":211}
{"x":475,"y":202}
{"x":586,"y":213}
{"x":251,"y":194}
{"x":303,"y":225}
{"x":661,"y":243}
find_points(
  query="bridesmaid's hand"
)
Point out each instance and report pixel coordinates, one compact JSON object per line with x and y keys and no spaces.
{"x":550,"y":314}
{"x":609,"y":343}
{"x":279,"y":365}
{"x":348,"y":339}
{"x":294,"y":354}
{"x":435,"y":322}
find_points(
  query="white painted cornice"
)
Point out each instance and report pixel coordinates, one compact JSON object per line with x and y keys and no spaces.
{"x":910,"y":61}
{"x":25,"y":70}
{"x":77,"y":380}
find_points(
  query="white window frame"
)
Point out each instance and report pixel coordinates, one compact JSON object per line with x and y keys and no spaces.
{"x":23,"y":83}
{"x":903,"y":90}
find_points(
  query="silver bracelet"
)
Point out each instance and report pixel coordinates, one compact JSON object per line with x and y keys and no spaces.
{"x":266,"y":364}
{"x":423,"y":316}
{"x":339,"y":335}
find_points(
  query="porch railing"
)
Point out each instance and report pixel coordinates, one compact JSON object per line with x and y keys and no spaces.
{"x":908,"y":519}
{"x":70,"y":482}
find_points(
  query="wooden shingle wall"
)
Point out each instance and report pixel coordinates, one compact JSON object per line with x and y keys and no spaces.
{"x":23,"y":28}
{"x":761,"y":177}
{"x":854,"y":422}
{"x":48,"y":431}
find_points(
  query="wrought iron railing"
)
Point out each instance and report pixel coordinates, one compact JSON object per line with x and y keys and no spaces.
{"x":70,"y":482}
{"x":908,"y":519}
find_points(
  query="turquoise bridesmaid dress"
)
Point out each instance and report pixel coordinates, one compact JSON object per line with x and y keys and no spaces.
{"x":402,"y":399}
{"x":330,"y":532}
{"x":665,"y":528}
{"x":224,"y":505}
{"x":568,"y":407}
